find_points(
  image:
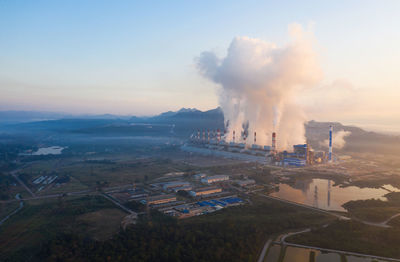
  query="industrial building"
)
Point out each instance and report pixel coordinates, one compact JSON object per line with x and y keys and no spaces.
{"x":214,"y":179}
{"x":292,"y":161}
{"x":182,"y":188}
{"x":159,"y":199}
{"x":174,"y":184}
{"x":199,"y":176}
{"x":301,"y":155}
{"x":205,"y":191}
{"x":246,"y":182}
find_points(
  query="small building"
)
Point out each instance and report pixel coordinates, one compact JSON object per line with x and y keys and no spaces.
{"x":174,"y":184}
{"x":205,"y":191}
{"x":214,"y":179}
{"x":291,"y":161}
{"x":160,"y":199}
{"x":182,"y":188}
{"x":199,"y":176}
{"x":246,"y":182}
{"x":267,"y":148}
{"x":254,"y":146}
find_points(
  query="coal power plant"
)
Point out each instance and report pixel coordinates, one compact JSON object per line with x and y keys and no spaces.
{"x":215,"y":142}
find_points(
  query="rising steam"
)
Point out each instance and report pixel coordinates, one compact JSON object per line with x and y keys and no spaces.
{"x":260,"y":82}
{"x":338,"y":141}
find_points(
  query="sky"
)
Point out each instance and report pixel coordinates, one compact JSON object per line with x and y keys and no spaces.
{"x":138,"y":57}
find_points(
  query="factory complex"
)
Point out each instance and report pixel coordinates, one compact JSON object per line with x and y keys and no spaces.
{"x":189,"y":195}
{"x":213,"y":142}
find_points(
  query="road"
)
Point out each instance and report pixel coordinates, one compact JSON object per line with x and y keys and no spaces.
{"x":390,"y":218}
{"x":21,"y":205}
{"x":284,"y":242}
{"x":21,"y":182}
{"x":305,"y":206}
{"x":119,"y":204}
{"x":382,"y":224}
{"x":264,"y":250}
{"x":283,"y":238}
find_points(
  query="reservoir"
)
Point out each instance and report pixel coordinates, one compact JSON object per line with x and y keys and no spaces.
{"x":322,"y":194}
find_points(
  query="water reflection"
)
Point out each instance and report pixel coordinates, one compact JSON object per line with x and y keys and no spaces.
{"x":358,"y":259}
{"x":328,"y":257}
{"x":296,"y":254}
{"x":273,"y":253}
{"x":320,"y":193}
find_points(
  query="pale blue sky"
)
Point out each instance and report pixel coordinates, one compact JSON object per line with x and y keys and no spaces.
{"x":137,"y":57}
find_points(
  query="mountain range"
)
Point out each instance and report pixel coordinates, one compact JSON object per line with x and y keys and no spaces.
{"x":181,"y":124}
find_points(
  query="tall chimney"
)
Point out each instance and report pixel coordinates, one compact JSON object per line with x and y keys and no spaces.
{"x":198,"y":134}
{"x":330,"y":143}
{"x":208,"y":135}
{"x":255,"y":137}
{"x":233,"y":136}
{"x":204,"y":135}
{"x":273,"y":141}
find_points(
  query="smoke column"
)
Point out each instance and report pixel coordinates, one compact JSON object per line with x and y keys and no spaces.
{"x":259,"y":84}
{"x":338,"y":139}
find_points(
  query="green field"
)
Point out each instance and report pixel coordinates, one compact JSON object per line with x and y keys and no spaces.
{"x":375,"y":210}
{"x":42,"y":220}
{"x":7,"y":208}
{"x":232,"y":234}
{"x":355,"y":237}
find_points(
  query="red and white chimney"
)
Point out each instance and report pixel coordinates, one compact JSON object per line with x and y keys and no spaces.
{"x":274,"y":141}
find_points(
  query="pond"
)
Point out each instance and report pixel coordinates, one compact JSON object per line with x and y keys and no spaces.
{"x":52,"y":150}
{"x":321,"y":193}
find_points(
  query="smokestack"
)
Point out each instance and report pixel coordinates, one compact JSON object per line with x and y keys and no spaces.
{"x":204,"y":135}
{"x":198,"y":134}
{"x":273,"y":141}
{"x":208,"y":135}
{"x":330,"y":143}
{"x":255,"y":137}
{"x":218,"y":135}
{"x":233,"y":136}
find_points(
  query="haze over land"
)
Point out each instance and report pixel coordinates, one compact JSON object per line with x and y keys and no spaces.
{"x":56,"y":59}
{"x":197,"y":131}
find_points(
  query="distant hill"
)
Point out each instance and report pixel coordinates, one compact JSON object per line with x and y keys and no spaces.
{"x":183,"y":123}
{"x":14,"y":117}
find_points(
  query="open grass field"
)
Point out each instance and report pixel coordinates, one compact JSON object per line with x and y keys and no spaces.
{"x":354,"y":237}
{"x":102,"y":224}
{"x":232,"y":234}
{"x":7,"y":208}
{"x":89,"y":173}
{"x":41,"y":220}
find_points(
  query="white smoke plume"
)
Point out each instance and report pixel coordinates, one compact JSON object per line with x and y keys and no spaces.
{"x":338,"y":141}
{"x":259,"y":84}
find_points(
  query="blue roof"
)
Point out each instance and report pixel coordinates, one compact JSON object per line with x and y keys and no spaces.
{"x":232,"y":200}
{"x":301,"y":145}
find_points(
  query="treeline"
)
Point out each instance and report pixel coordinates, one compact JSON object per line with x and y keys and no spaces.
{"x":235,"y":234}
{"x":375,"y":209}
{"x":355,"y":237}
{"x":6,"y":181}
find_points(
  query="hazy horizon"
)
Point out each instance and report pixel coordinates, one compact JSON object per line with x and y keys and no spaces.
{"x":131,"y":58}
